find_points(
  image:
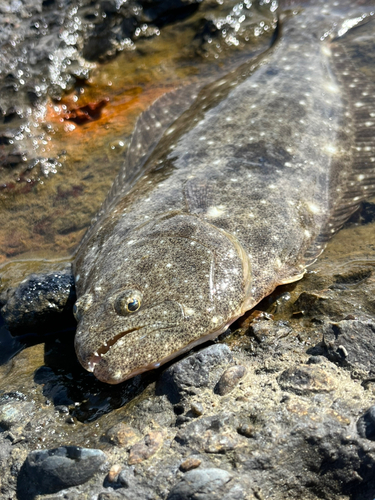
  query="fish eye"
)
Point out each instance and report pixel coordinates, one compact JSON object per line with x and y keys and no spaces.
{"x":128,"y":302}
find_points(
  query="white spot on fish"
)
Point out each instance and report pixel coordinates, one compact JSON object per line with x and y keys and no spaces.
{"x":330,"y":148}
{"x":215,"y":211}
{"x":313,"y":208}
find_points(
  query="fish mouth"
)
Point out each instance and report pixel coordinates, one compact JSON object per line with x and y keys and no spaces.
{"x":106,"y":347}
{"x":101,"y":372}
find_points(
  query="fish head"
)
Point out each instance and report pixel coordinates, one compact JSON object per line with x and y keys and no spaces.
{"x":175,"y":284}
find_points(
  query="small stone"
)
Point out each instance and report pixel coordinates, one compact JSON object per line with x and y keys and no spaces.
{"x":230,"y":379}
{"x":197,"y":409}
{"x":206,"y":484}
{"x":306,"y":379}
{"x":146,"y":448}
{"x":366,"y":424}
{"x":114,"y":472}
{"x":190,"y":463}
{"x":193,"y":372}
{"x":246,"y":430}
{"x":49,"y":471}
{"x":123,"y":435}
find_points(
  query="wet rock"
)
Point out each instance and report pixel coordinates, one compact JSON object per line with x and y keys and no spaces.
{"x":123,"y":435}
{"x":207,"y":484}
{"x":145,"y":449}
{"x":350,"y":343}
{"x":49,"y":471}
{"x":40,"y":300}
{"x":366,"y":424}
{"x":230,"y":379}
{"x":306,"y":379}
{"x":193,"y":372}
{"x":14,"y":413}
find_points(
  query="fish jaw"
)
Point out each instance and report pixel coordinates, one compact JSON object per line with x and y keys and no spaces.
{"x":104,"y":368}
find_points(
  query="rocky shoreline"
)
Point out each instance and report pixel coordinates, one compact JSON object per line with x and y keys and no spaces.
{"x":282,"y":406}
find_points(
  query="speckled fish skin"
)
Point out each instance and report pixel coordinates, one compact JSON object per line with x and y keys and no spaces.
{"x":239,"y":195}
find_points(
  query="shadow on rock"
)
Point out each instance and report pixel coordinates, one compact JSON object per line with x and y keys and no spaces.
{"x":68,"y":386}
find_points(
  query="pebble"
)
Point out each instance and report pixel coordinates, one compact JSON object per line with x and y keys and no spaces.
{"x":207,"y":484}
{"x":230,"y":379}
{"x":49,"y":471}
{"x":123,"y":435}
{"x":246,"y":430}
{"x":146,"y":448}
{"x":114,"y":472}
{"x":197,"y":409}
{"x":190,"y":463}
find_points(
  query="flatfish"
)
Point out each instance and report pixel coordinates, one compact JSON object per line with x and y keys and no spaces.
{"x":227,"y":192}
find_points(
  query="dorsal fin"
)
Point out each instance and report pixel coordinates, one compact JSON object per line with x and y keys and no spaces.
{"x":359,"y":91}
{"x":148,"y":131}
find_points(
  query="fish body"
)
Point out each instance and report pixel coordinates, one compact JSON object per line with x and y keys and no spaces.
{"x":236,"y":193}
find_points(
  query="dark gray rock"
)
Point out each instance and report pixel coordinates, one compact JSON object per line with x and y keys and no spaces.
{"x":49,"y":471}
{"x":193,"y":372}
{"x":351,"y":343}
{"x":366,"y":424}
{"x":207,"y":484}
{"x":41,"y":300}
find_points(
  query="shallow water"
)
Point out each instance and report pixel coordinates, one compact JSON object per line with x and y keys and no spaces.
{"x":83,"y":137}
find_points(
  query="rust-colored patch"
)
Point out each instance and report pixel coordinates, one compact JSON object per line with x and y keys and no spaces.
{"x":89,"y":112}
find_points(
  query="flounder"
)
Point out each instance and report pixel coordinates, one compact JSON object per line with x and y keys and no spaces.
{"x":227,"y":192}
